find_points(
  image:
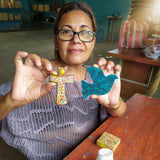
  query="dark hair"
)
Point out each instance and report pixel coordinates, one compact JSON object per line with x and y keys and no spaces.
{"x":75,"y":6}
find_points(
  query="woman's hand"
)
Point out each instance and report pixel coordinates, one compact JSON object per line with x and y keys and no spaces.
{"x":110,"y":99}
{"x":29,"y":80}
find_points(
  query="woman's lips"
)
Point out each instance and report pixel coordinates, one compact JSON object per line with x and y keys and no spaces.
{"x":76,"y":51}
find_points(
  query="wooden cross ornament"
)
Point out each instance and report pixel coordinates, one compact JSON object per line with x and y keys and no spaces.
{"x":61,"y":79}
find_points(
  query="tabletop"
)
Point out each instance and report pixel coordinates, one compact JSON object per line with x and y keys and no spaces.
{"x":138,"y":128}
{"x":133,"y":54}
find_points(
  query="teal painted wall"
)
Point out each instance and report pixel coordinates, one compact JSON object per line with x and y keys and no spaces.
{"x":101,"y":9}
{"x":26,"y":13}
{"x":10,"y":24}
{"x":104,"y":8}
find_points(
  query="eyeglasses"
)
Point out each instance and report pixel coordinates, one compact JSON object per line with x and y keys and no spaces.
{"x":67,"y":35}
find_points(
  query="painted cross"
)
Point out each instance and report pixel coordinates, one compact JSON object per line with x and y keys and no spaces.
{"x":61,"y":79}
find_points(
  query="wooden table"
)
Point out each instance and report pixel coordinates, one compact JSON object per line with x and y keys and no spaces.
{"x":139,"y":130}
{"x":137,"y":70}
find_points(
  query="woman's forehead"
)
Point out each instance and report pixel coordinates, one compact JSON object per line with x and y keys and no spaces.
{"x":76,"y":18}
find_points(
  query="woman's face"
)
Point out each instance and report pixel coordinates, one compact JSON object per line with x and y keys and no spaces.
{"x":74,"y":51}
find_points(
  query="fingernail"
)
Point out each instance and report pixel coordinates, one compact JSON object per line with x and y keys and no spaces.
{"x":49,"y":67}
{"x":54,"y":73}
{"x":39,"y":63}
{"x":101,"y":62}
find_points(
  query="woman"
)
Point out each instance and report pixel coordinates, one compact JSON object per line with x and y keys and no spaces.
{"x":32,"y":120}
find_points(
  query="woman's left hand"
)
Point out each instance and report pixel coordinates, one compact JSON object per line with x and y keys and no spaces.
{"x":112,"y":98}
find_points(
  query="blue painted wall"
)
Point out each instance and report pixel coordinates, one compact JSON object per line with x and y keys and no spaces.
{"x":10,"y":24}
{"x":101,"y":9}
{"x":104,"y":8}
{"x":24,"y":11}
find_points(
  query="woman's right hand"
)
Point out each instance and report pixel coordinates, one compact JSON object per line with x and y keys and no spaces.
{"x":29,"y":80}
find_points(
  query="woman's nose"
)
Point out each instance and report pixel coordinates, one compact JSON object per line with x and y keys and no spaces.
{"x":76,"y":38}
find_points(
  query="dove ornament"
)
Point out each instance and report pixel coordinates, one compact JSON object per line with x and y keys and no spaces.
{"x":102,"y":84}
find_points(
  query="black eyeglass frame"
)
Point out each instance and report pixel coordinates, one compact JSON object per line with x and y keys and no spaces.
{"x":57,"y":33}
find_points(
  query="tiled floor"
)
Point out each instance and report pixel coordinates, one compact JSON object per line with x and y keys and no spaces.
{"x":41,"y":43}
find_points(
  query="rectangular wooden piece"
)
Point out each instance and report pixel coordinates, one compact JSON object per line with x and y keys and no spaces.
{"x":135,"y":71}
{"x":131,"y":54}
{"x":128,"y":89}
{"x":107,"y":140}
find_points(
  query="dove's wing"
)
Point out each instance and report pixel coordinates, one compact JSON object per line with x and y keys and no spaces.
{"x":108,"y":83}
{"x":96,"y":74}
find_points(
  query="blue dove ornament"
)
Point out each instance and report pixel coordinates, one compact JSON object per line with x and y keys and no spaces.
{"x":102,"y":84}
